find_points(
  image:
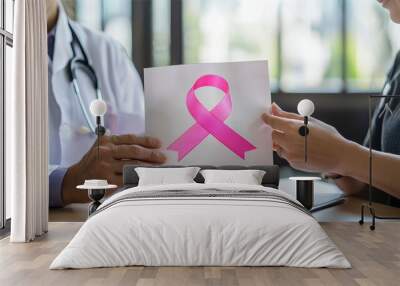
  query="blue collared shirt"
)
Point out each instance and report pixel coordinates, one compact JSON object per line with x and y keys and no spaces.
{"x":56,"y":176}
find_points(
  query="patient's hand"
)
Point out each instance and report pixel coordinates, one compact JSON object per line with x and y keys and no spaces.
{"x":115,"y":152}
{"x":326,"y":147}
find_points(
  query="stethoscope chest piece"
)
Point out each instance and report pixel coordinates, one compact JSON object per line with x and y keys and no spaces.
{"x":83,"y":130}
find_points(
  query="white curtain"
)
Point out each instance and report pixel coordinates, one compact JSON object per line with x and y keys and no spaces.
{"x":26,"y":123}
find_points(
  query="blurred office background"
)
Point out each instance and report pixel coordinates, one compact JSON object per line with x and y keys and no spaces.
{"x":335,"y":52}
{"x":332,"y":51}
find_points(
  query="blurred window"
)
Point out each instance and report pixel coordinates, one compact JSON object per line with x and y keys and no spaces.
{"x":9,"y":11}
{"x":371,"y":45}
{"x":6,"y":43}
{"x":114,"y":17}
{"x":238,"y":30}
{"x":161,"y":42}
{"x":327,"y":46}
{"x":311,"y":45}
{"x":88,"y":13}
{"x":304,"y":40}
{"x":7,"y":78}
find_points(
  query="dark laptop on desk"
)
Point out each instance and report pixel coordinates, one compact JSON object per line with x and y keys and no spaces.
{"x":325,"y":194}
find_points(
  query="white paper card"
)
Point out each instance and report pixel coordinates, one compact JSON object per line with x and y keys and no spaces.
{"x":210,"y":113}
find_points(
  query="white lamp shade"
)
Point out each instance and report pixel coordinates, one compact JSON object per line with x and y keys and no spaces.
{"x":98,"y":107}
{"x":305,"y":107}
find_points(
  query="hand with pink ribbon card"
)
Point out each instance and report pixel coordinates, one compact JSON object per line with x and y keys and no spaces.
{"x":210,"y":113}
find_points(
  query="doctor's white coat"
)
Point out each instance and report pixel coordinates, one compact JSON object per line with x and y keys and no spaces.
{"x":120,"y":85}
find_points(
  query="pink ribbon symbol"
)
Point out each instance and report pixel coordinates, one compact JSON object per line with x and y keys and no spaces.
{"x":210,"y":122}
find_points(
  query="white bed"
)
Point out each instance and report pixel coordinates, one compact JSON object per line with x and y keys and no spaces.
{"x":183,"y":230}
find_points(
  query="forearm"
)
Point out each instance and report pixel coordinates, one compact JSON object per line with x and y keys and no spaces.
{"x":69,"y":191}
{"x":349,"y":185}
{"x":385,"y":168}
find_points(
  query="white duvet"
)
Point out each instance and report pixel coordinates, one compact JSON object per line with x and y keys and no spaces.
{"x":200,"y":231}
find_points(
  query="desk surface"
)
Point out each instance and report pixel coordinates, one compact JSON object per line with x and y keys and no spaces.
{"x":349,"y":211}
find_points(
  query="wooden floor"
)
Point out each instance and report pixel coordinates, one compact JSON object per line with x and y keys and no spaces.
{"x":375,"y":257}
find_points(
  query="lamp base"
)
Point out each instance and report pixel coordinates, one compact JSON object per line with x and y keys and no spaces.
{"x":305,"y":190}
{"x":373,"y":214}
{"x":95,"y":196}
{"x":305,"y":193}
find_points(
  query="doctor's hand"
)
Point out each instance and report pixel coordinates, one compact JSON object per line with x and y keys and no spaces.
{"x":326,"y":147}
{"x":115,"y":152}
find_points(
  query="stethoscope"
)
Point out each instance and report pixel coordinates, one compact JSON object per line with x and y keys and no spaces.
{"x":73,"y":66}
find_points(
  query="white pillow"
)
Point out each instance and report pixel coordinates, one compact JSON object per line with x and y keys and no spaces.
{"x":247,"y":177}
{"x":166,"y":176}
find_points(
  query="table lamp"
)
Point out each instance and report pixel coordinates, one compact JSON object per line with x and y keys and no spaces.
{"x":98,"y":108}
{"x":97,"y":188}
{"x":305,"y":108}
{"x":305,"y":185}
